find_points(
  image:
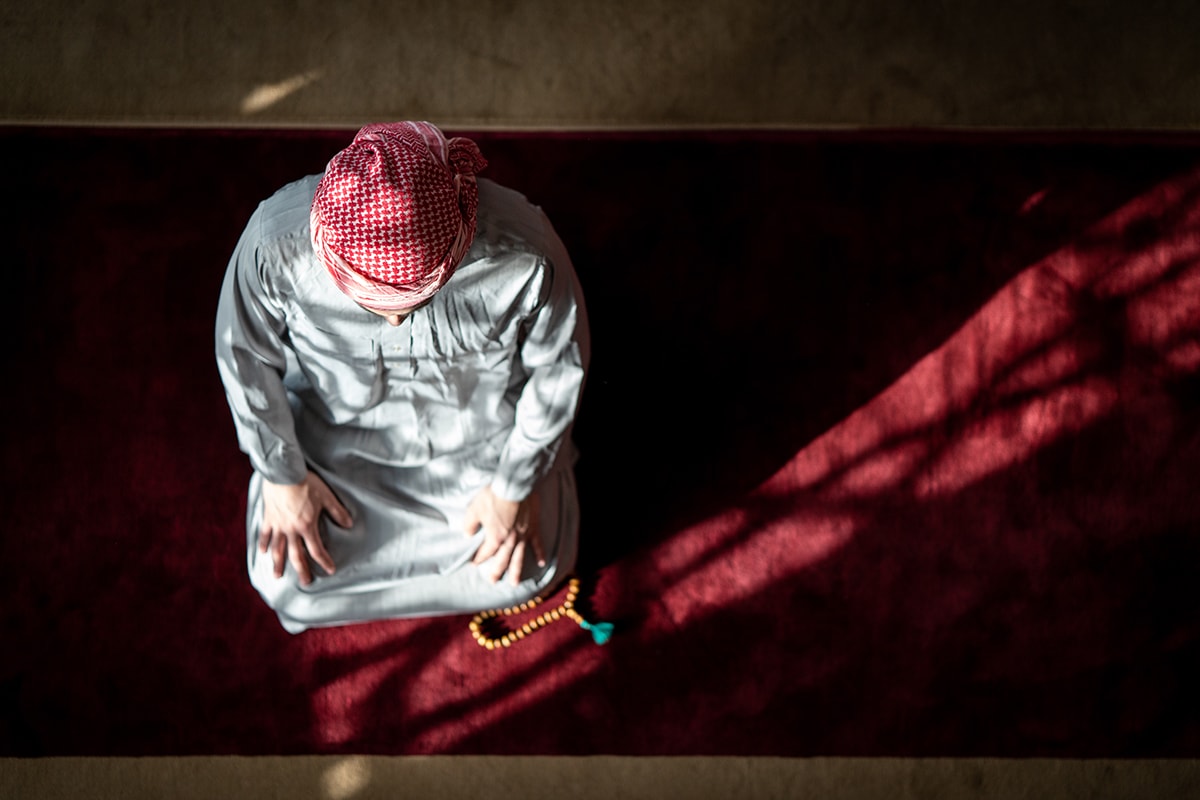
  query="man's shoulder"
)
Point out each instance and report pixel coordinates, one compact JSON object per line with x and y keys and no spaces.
{"x":508,"y":222}
{"x":276,"y":243}
{"x":285,"y":213}
{"x":515,"y":243}
{"x":493,"y":196}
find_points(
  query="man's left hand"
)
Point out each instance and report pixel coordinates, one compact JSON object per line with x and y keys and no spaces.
{"x":508,"y":528}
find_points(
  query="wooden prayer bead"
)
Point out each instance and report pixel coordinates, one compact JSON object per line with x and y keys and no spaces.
{"x":480,"y":631}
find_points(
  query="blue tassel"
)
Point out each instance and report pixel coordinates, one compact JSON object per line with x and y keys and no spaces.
{"x":601,"y":631}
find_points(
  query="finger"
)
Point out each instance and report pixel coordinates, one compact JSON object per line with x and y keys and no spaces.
{"x":300,"y":562}
{"x":503,"y":558}
{"x":471,"y":521}
{"x":517,"y":564}
{"x":316,"y":549}
{"x":534,"y":537}
{"x":486,"y":550}
{"x":534,"y":533}
{"x":264,"y":538}
{"x":337,"y":512}
{"x":278,"y":551}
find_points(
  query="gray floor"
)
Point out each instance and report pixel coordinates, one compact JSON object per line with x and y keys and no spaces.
{"x":615,"y":64}
{"x":501,"y":778}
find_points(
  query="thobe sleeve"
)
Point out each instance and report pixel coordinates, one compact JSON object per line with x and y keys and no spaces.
{"x":251,"y":360}
{"x":554,"y":355}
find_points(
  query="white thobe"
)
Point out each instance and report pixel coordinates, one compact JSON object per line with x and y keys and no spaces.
{"x":406,"y":424}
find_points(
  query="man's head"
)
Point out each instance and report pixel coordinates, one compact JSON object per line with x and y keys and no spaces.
{"x":394,"y":214}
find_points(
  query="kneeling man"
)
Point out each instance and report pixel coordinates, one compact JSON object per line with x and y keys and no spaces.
{"x":403,"y":348}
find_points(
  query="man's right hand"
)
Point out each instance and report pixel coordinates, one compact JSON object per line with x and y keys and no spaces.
{"x":289,"y":524}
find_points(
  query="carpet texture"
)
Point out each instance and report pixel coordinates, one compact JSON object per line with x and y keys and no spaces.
{"x":889,"y":448}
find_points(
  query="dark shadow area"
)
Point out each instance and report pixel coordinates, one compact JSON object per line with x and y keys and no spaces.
{"x":748,"y":294}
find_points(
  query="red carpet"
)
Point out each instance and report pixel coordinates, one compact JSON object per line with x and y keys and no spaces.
{"x":890,"y":447}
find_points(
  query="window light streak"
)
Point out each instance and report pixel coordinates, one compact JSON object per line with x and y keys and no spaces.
{"x":1002,"y":339}
{"x":1027,"y":371}
{"x":1004,"y":439}
{"x":500,"y":684}
{"x":519,"y":678}
{"x":1184,"y":358}
{"x":343,"y":704}
{"x":266,"y":95}
{"x":347,"y":778}
{"x":703,"y":585}
{"x":1096,"y":256}
{"x":1034,"y":200}
{"x":1163,"y":316}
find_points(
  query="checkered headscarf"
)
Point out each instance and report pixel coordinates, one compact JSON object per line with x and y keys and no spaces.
{"x":394,"y":213}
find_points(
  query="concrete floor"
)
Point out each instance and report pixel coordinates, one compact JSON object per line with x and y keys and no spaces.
{"x":530,"y":778}
{"x":525,"y":64}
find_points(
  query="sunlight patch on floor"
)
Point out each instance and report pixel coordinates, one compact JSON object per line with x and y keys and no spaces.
{"x":346,"y":778}
{"x":266,"y":95}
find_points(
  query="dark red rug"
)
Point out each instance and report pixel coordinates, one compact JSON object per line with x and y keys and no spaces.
{"x":890,"y":447}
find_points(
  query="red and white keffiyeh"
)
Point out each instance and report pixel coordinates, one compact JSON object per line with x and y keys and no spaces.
{"x":394,"y":213}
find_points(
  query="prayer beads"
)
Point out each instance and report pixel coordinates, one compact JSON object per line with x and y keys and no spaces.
{"x":479,"y":626}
